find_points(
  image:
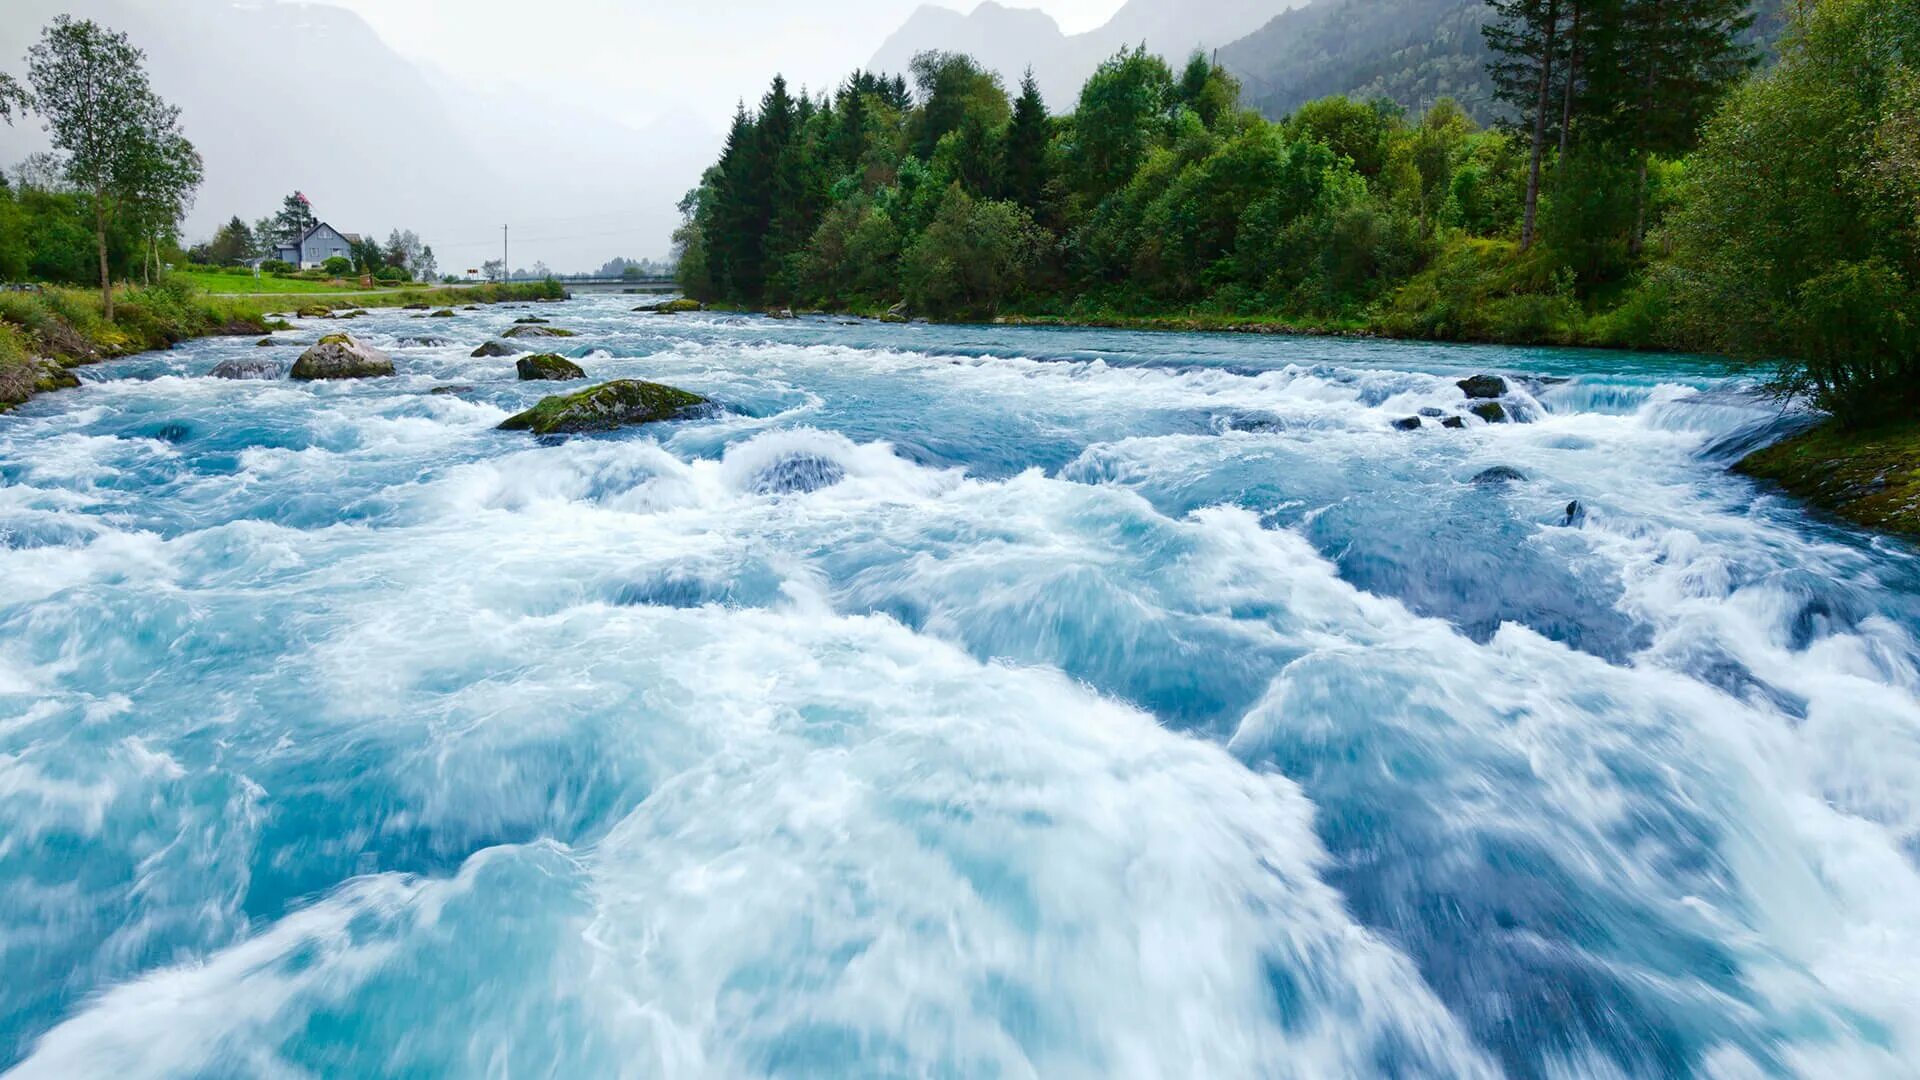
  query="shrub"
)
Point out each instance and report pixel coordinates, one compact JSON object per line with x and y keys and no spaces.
{"x":338,"y":266}
{"x":392,"y":275}
{"x":276,"y":266}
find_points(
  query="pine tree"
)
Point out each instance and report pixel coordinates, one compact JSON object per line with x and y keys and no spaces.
{"x":1023,"y":174}
{"x":1525,"y":38}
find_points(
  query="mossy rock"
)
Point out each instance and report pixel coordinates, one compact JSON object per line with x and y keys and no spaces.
{"x":264,"y":342}
{"x":1491,"y":411}
{"x":621,"y":403}
{"x":337,"y":356}
{"x":547,"y":366}
{"x":672,"y":307}
{"x":1870,"y":477}
{"x":416,"y":307}
{"x":495,"y":348}
{"x":531,"y":320}
{"x":537,"y":331}
{"x":443,"y":313}
{"x":314,"y":311}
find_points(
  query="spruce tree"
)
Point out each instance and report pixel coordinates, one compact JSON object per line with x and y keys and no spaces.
{"x":1023,"y":174}
{"x":1525,"y":39}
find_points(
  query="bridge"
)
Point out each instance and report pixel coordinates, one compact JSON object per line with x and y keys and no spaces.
{"x":653,"y":284}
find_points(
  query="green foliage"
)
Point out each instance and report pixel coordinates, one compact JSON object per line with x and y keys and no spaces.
{"x":337,"y":266}
{"x":1798,"y":228}
{"x":972,"y":256}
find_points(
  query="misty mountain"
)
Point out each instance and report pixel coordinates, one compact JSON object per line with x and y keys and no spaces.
{"x":1010,"y":40}
{"x":1408,"y":51}
{"x":286,"y":96}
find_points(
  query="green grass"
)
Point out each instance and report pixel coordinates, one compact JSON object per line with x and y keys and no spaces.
{"x":1870,"y":477}
{"x":220,"y":283}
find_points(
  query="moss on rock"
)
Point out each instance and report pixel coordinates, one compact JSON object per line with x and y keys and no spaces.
{"x":621,"y":403}
{"x":1869,"y":477}
{"x":547,"y":366}
{"x":537,"y":331}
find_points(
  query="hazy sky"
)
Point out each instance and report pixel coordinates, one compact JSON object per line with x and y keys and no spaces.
{"x":696,"y":56}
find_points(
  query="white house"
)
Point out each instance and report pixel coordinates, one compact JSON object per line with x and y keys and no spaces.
{"x":315,"y":246}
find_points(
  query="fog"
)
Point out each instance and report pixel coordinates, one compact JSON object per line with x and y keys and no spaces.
{"x":579,"y":127}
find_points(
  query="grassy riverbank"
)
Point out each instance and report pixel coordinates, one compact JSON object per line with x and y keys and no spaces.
{"x":44,"y":334}
{"x":1870,"y":477}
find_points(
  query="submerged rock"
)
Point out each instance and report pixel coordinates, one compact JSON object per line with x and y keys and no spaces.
{"x":1576,"y":515}
{"x":531,"y":320}
{"x":1410,"y":423}
{"x":458,"y":388}
{"x":1432,"y":413}
{"x":263,"y":343}
{"x":1491,"y":411}
{"x":443,"y":313}
{"x":1499,"y":474}
{"x":248,"y":367}
{"x":783,"y":313}
{"x":415,"y":307}
{"x":424,"y":340}
{"x":494,"y":348}
{"x":1453,"y":422}
{"x":338,"y":356}
{"x":1483,"y":386}
{"x":621,"y":403}
{"x":798,"y":475}
{"x":547,"y":366}
{"x":537,"y":331}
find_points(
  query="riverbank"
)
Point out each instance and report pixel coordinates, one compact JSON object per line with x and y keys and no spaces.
{"x":45,"y":334}
{"x":1869,"y":477}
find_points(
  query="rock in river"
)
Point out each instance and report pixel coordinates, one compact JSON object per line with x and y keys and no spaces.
{"x":1483,"y":386}
{"x":1499,"y":474}
{"x":547,"y":366}
{"x":620,"y":403}
{"x":670,"y":307}
{"x":494,"y":348}
{"x":338,"y":356}
{"x":1410,"y":423}
{"x":248,"y":367}
{"x":1490,"y":411}
{"x":537,"y":331}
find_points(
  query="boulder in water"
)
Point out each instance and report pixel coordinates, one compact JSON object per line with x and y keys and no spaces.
{"x":1490,"y":411}
{"x":1410,"y":423}
{"x":1453,"y":422}
{"x":1499,"y":474}
{"x":537,"y":331}
{"x":1576,"y":515}
{"x":458,"y":388}
{"x":531,"y":320}
{"x":263,"y":343}
{"x":547,"y":366}
{"x":782,"y":313}
{"x":443,"y":313}
{"x":621,"y":403}
{"x":314,"y":311}
{"x":424,"y":341}
{"x":671,"y":307}
{"x":494,"y":348}
{"x":1432,"y":413}
{"x":248,"y":367}
{"x":415,"y":307}
{"x":338,"y":356}
{"x":1483,"y":386}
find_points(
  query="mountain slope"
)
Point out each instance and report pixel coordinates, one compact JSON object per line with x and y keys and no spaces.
{"x":1010,"y":40}
{"x":286,"y":96}
{"x":1409,"y":51}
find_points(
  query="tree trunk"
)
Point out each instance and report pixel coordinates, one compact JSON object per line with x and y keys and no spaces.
{"x":1548,"y":41}
{"x":1566,"y":101}
{"x":1639,"y":238}
{"x":100,"y":241}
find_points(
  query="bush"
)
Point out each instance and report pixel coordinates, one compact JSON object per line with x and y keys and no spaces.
{"x":1856,"y":331}
{"x":392,"y":275}
{"x":276,"y":266}
{"x":974,"y":255}
{"x":338,"y":266}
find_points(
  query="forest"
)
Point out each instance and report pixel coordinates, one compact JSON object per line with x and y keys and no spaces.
{"x":1653,"y":184}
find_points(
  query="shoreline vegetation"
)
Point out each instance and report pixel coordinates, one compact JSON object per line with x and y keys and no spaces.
{"x":44,"y":334}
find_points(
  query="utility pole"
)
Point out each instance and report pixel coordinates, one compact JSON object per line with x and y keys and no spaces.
{"x":506,"y":265}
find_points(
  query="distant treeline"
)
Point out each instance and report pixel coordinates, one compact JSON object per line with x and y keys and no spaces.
{"x":1654,"y":191}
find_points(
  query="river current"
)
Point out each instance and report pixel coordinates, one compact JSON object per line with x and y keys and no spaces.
{"x":956,"y":701}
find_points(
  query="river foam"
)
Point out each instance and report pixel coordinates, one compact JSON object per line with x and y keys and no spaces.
{"x":961,"y":701}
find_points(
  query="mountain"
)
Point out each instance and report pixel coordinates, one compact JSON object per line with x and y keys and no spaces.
{"x":1408,"y":51}
{"x":286,"y":96}
{"x":1010,"y":40}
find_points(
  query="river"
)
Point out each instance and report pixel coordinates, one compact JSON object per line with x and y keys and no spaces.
{"x":959,"y":701}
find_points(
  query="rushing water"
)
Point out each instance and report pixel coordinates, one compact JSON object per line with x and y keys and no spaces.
{"x":958,"y":702}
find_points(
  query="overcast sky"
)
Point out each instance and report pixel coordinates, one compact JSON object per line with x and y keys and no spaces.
{"x":698,"y":56}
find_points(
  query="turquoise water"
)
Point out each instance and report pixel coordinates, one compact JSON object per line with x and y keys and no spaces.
{"x":959,"y":701}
